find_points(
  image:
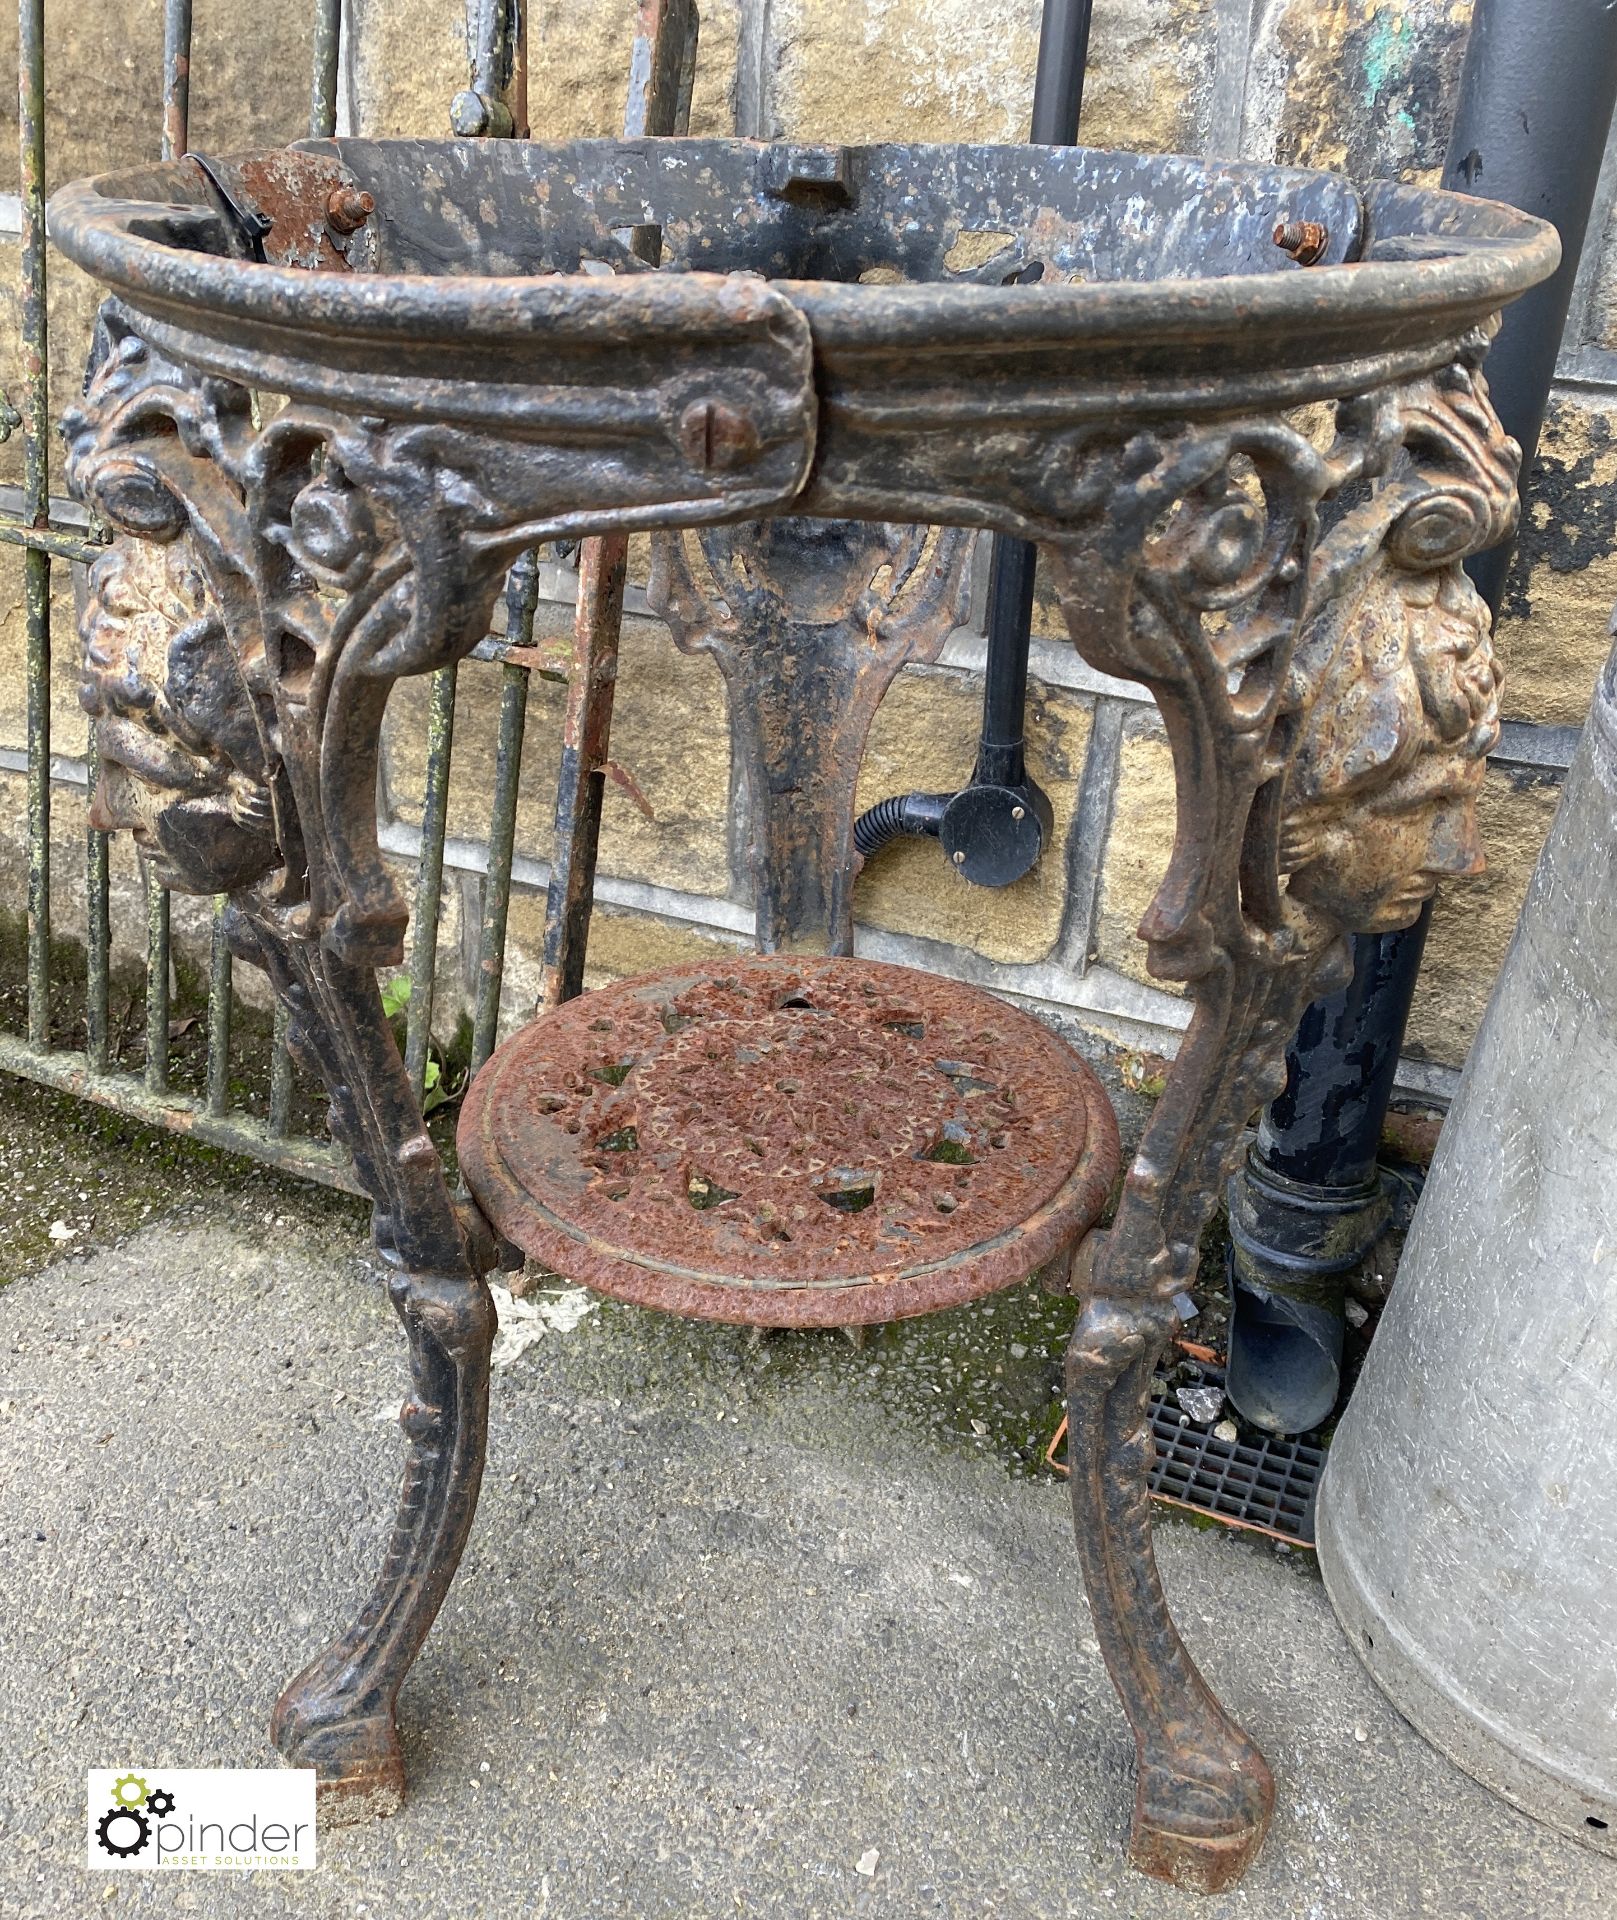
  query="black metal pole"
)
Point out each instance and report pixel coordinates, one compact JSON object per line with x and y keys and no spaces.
{"x":1012,"y":565}
{"x":995,"y":828}
{"x":1535,"y":105}
{"x":1058,"y":81}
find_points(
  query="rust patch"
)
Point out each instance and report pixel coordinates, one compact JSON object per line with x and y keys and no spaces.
{"x":298,"y":209}
{"x":790,"y":1141}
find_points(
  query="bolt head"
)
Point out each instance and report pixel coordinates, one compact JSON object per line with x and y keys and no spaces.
{"x":959,"y":856}
{"x":716,"y":438}
{"x":348,"y":208}
{"x":1018,"y":813}
{"x":469,"y":115}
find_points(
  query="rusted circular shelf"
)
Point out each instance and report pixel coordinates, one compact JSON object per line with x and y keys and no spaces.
{"x":789,"y":1141}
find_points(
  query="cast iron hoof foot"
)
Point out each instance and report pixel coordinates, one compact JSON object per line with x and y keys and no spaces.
{"x":1201,"y":1829}
{"x":359,"y":1764}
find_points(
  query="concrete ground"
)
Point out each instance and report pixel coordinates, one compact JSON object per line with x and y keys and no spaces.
{"x":732,"y":1617}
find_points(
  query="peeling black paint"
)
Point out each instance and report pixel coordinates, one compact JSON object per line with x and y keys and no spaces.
{"x":1575,"y":509}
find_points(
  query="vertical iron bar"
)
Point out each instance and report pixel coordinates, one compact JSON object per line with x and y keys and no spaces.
{"x":429,"y":881}
{"x":219,"y":999}
{"x":36,"y":501}
{"x":280,"y":1097}
{"x":36,"y":599}
{"x":495,"y":104}
{"x":662,"y":68}
{"x":327,"y":48}
{"x":98,"y":928}
{"x":176,"y":78}
{"x":1058,"y":83}
{"x":521,"y":594}
{"x":581,"y":783}
{"x":156,"y":986}
{"x":662,"y":65}
{"x":176,"y":141}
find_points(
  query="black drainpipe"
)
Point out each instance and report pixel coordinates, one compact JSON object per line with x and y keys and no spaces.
{"x":994,"y":829}
{"x":1535,"y":105}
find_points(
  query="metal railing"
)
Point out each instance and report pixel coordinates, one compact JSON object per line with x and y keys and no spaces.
{"x":92,"y":1072}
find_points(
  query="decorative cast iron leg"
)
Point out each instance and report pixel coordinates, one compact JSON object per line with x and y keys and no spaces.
{"x":1328,"y":693}
{"x":1203,"y":1792}
{"x":338,"y":1715}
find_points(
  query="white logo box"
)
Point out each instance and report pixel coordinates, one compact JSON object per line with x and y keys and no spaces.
{"x":200,"y":1819}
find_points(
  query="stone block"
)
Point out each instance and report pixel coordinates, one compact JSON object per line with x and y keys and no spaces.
{"x":1138,"y":846}
{"x":409,"y":62}
{"x":578,"y":62}
{"x":250,"y":76}
{"x":863,"y":70}
{"x":925,"y":738}
{"x":1553,"y":626}
{"x":666,"y":819}
{"x":69,"y":726}
{"x":1149,"y":76}
{"x":1473,"y":920}
{"x":1364,"y":87}
{"x":252,"y":69}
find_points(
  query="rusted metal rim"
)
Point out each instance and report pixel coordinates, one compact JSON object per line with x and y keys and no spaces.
{"x":1413,"y":267}
{"x":789,"y":1141}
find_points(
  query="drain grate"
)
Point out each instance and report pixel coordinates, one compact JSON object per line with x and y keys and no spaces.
{"x":1267,"y":1485}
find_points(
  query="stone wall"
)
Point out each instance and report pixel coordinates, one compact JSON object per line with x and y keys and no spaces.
{"x":1361,"y":84}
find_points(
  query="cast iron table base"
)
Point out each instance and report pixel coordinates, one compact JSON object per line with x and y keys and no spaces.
{"x":1100,"y":352}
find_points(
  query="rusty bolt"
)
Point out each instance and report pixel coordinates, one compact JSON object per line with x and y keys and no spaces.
{"x":347,"y":209}
{"x":1304,"y":240}
{"x":716,"y":438}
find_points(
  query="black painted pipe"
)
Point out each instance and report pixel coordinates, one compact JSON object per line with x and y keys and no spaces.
{"x":1535,"y":106}
{"x":1058,"y":98}
{"x":995,"y":828}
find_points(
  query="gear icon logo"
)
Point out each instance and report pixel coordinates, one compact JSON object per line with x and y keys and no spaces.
{"x":128,"y":1826}
{"x":123,"y":1830}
